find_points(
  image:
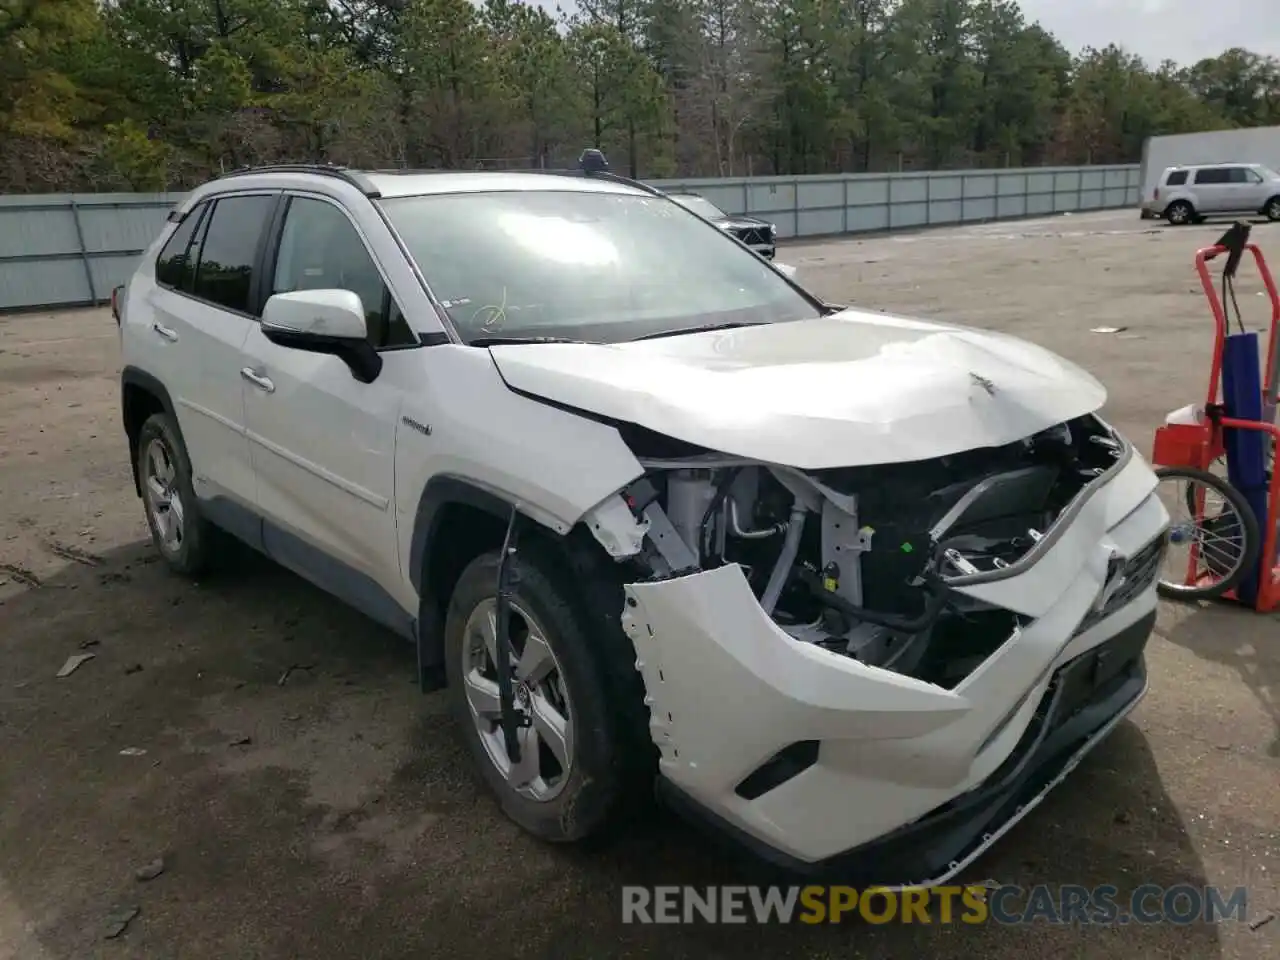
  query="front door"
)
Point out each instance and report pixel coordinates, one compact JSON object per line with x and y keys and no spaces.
{"x":1254,"y":191}
{"x":322,"y":443}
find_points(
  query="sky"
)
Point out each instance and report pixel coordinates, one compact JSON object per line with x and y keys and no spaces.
{"x":1181,"y":30}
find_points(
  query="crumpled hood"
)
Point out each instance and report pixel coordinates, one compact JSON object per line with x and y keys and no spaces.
{"x":851,"y":389}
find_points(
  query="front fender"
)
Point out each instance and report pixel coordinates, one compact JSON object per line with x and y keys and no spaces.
{"x":469,"y":438}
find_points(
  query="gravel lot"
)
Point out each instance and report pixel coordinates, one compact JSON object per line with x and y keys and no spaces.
{"x":348,"y":824}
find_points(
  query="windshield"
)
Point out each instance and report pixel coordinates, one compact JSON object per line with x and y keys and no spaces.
{"x":585,"y":265}
{"x":1267,"y":173}
{"x":701,"y":206}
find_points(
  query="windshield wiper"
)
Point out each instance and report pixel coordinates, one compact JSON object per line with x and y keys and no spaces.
{"x":505,"y":341}
{"x":731,"y":325}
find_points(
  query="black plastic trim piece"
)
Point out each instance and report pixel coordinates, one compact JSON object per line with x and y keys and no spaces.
{"x":289,"y":549}
{"x":439,"y":492}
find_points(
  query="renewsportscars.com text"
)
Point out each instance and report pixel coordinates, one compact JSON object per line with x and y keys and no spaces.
{"x":974,"y":904}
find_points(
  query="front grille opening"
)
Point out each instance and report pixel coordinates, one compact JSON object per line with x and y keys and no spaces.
{"x":787,"y":763}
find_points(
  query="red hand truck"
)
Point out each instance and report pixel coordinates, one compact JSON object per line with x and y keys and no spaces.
{"x":1189,"y":450}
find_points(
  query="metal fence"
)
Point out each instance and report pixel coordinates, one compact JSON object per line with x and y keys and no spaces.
{"x":71,"y":249}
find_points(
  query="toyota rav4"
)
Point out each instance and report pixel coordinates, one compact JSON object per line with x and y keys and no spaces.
{"x":853,"y":589}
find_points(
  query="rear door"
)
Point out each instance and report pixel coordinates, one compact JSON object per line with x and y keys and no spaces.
{"x":203,"y":311}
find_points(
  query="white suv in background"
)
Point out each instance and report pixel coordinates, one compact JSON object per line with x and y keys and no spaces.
{"x":854,"y":589}
{"x":1187,"y":194}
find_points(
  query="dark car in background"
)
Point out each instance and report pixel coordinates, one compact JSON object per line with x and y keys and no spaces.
{"x":760,"y":235}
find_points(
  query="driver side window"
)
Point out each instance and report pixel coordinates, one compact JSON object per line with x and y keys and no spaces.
{"x":321,"y":250}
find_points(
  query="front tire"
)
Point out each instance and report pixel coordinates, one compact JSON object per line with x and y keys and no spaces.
{"x":1272,"y":209}
{"x":568,"y":784}
{"x":187,"y":542}
{"x":1179,"y":213}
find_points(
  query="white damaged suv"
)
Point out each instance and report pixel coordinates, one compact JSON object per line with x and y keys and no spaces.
{"x":855,"y":590}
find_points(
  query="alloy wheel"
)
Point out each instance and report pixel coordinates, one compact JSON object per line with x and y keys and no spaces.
{"x":546,"y":741}
{"x":164,"y":500}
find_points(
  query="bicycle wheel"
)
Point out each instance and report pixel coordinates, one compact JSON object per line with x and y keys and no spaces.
{"x":1219,"y":469}
{"x":1214,"y":537}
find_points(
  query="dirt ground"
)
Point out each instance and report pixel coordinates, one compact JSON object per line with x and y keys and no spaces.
{"x":309,"y":802}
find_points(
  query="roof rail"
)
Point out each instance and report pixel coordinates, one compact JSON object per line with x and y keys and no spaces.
{"x":597,"y":175}
{"x":591,"y":164}
{"x":618,"y":178}
{"x":346,"y":174}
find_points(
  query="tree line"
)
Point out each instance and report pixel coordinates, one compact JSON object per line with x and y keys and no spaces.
{"x":160,"y":94}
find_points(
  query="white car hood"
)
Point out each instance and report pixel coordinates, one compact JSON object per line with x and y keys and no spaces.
{"x":850,"y":389}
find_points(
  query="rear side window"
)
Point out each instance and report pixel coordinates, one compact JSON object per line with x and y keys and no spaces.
{"x":1177,"y":178}
{"x":176,"y":264}
{"x":1217,"y":175}
{"x":224,"y":273}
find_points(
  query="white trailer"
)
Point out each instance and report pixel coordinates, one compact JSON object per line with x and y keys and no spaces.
{"x":1248,"y":145}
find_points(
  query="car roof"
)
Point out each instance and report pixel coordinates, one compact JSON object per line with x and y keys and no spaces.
{"x":1207,"y":166}
{"x":395,"y":183}
{"x":413,"y":183}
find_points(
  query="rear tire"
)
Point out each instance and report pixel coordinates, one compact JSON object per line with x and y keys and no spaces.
{"x":1179,"y":213}
{"x":580,"y":799}
{"x":187,"y":542}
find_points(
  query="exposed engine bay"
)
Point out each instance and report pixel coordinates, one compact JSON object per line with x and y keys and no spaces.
{"x":863,"y":560}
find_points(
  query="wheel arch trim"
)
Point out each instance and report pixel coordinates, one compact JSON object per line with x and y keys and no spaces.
{"x":439,"y":493}
{"x":135,"y":377}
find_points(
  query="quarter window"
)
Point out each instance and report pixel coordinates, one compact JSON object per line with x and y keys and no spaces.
{"x":1177,"y":178}
{"x":321,"y":250}
{"x":175,"y":265}
{"x":225,"y":270}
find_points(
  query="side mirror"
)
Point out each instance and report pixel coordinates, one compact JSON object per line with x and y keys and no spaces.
{"x":323,"y":321}
{"x":786,"y":269}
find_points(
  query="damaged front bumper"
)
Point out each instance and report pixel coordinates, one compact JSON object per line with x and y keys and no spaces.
{"x":826,"y":766}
